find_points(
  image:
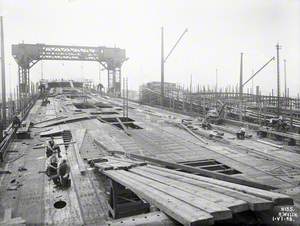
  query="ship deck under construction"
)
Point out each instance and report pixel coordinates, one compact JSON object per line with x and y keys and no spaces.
{"x":95,"y":127}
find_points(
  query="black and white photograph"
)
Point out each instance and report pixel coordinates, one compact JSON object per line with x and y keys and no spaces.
{"x":150,"y":112}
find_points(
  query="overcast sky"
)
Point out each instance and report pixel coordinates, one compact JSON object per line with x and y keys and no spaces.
{"x":217,"y":32}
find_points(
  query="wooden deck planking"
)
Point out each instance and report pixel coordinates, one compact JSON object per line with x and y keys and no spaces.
{"x":279,"y":199}
{"x":255,"y":203}
{"x":219,"y":212}
{"x":181,"y":211}
{"x":234,"y":204}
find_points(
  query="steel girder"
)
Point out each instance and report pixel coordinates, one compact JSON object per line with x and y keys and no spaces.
{"x":27,"y":55}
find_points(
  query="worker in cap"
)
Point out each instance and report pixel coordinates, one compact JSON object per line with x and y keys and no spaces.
{"x":63,"y":172}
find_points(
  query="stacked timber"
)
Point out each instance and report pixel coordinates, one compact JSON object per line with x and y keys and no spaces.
{"x":187,"y":198}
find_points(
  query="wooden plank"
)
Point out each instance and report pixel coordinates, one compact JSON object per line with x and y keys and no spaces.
{"x":109,"y":165}
{"x":108,"y":144}
{"x":191,"y":169}
{"x":118,"y":164}
{"x":96,"y":160}
{"x":180,"y":211}
{"x":156,"y":218}
{"x":110,"y":158}
{"x":277,"y":198}
{"x":255,"y":203}
{"x":38,"y":146}
{"x":123,"y":126}
{"x":235,"y":205}
{"x":8,"y":220}
{"x":219,"y":212}
{"x":79,"y":137}
{"x":65,"y":120}
{"x":103,"y":166}
{"x":192,"y":133}
{"x":7,"y":214}
{"x":134,"y":163}
{"x":268,"y":143}
{"x":51,"y":132}
{"x":14,"y":221}
{"x":81,"y":165}
{"x":51,"y":119}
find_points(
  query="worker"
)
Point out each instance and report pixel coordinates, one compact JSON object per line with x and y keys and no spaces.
{"x":63,"y":172}
{"x":55,"y":147}
{"x":206,"y":125}
{"x":51,"y":170}
{"x":241,"y":133}
{"x":49,"y":151}
{"x":16,"y":121}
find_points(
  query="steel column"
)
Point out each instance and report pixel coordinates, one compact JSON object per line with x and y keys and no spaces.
{"x":3,"y":76}
{"x":278,"y":80}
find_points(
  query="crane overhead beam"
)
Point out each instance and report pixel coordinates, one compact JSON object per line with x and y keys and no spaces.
{"x":27,"y":55}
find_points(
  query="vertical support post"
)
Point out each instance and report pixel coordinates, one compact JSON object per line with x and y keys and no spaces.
{"x":291,"y":116}
{"x":216,"y":80}
{"x":278,"y":81}
{"x":18,"y":99}
{"x":28,"y":83}
{"x":108,"y":81}
{"x":114,"y":82}
{"x":100,"y":75}
{"x":257,"y":95}
{"x":127,"y":97}
{"x":124,"y":114}
{"x":119,"y":81}
{"x":19,"y":89}
{"x":162,"y":69}
{"x":191,"y":87}
{"x":241,"y":76}
{"x":285,"y":89}
{"x":3,"y":76}
{"x":42,"y":70}
{"x":15,"y":101}
{"x":241,"y":86}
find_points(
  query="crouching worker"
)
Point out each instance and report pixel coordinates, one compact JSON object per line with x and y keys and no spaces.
{"x":63,"y":172}
{"x":49,"y":152}
{"x":16,"y":122}
{"x":51,"y":170}
{"x":54,"y":147}
{"x":241,"y":134}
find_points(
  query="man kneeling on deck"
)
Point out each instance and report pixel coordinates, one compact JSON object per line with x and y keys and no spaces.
{"x":241,"y":134}
{"x":63,"y":172}
{"x":51,"y":170}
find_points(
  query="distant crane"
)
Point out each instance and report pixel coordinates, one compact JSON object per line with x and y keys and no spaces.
{"x":163,"y":61}
{"x":241,"y":78}
{"x":259,"y":70}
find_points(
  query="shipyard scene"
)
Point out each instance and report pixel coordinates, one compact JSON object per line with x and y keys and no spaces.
{"x":150,"y":113}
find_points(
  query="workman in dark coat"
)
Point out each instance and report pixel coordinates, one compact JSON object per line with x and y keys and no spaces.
{"x":63,"y":172}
